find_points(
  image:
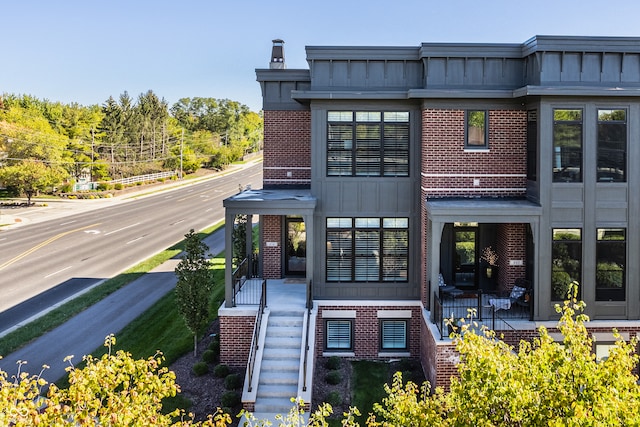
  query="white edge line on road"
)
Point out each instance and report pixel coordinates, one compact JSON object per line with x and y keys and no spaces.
{"x":123,"y":228}
{"x":68,"y":222}
{"x":48,"y":309}
{"x":56,"y":272}
{"x":134,"y":240}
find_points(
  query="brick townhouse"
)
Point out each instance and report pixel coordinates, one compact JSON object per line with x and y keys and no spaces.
{"x":391,"y":175}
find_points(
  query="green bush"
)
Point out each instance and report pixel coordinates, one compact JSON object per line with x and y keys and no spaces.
{"x":232,"y":382}
{"x":118,"y":186}
{"x":104,"y":186}
{"x":333,"y":362}
{"x":215,"y":346}
{"x":334,"y":398}
{"x":200,"y":368}
{"x":230,"y":399}
{"x":333,"y":377}
{"x":221,"y":371}
{"x":209,"y":356}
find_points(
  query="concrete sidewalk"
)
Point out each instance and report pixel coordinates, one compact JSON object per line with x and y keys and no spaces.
{"x":86,"y":332}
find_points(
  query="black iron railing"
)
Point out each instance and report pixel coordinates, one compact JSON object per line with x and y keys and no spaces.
{"x":255,"y":341}
{"x":306,"y":341}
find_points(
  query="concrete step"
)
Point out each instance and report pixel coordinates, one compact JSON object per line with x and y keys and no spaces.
{"x":281,"y":353}
{"x":273,"y":406}
{"x":282,"y":342}
{"x":284,"y":331}
{"x":278,"y":378}
{"x":284,"y":321}
{"x":280,"y":365}
{"x":267,"y":391}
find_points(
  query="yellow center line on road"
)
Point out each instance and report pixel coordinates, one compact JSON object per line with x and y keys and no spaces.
{"x":43,"y":244}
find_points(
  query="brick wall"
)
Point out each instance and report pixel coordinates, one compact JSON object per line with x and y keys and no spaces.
{"x":236,"y":333}
{"x":287,"y":147}
{"x":271,"y":255}
{"x":367,"y":330}
{"x":510,"y":245}
{"x":439,"y":360}
{"x":448,"y":170}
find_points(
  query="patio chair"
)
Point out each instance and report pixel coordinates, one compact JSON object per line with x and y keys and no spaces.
{"x":448,"y":290}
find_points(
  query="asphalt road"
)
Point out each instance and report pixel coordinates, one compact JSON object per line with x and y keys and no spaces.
{"x":46,"y":262}
{"x":86,"y":332}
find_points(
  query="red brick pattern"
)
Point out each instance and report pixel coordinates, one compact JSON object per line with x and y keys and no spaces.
{"x":272,"y":255}
{"x":511,"y":245}
{"x":366,"y":332}
{"x":236,"y":333}
{"x":287,"y":147}
{"x":449,"y":170}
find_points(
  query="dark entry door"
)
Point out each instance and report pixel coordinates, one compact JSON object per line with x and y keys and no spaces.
{"x":465,"y":255}
{"x":296,"y":244}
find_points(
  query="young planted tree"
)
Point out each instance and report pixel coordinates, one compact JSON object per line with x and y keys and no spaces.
{"x":194,"y":285}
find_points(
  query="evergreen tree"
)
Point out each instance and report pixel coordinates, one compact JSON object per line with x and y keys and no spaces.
{"x":194,"y":285}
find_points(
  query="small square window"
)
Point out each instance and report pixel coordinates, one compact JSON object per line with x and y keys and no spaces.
{"x":393,"y":335}
{"x":477,"y":129}
{"x":339,"y":335}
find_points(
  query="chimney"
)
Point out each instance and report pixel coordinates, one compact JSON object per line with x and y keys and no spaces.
{"x":277,"y":55}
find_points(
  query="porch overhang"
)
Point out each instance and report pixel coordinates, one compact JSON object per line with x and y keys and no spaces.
{"x":271,"y":202}
{"x":487,"y":210}
{"x":280,"y":202}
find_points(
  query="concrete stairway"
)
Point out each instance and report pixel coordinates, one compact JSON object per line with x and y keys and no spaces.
{"x":278,"y":380}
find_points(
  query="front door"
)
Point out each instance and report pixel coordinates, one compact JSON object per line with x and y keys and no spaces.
{"x":296,"y":244}
{"x":465,"y":255}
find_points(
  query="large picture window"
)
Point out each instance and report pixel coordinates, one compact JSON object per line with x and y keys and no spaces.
{"x":567,"y":145}
{"x":566,"y":261}
{"x":367,"y":249}
{"x":368,"y":143}
{"x":612,"y":145}
{"x":611,"y":255}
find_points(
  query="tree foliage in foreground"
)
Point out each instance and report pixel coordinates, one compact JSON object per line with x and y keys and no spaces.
{"x":115,"y":390}
{"x":544,"y":383}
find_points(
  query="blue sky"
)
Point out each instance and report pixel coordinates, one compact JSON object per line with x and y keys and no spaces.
{"x":85,"y":51}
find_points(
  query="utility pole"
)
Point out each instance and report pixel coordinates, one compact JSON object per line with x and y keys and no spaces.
{"x":181,"y":148}
{"x":92,"y":159}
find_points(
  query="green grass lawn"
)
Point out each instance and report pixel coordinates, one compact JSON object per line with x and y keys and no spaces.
{"x":16,"y":339}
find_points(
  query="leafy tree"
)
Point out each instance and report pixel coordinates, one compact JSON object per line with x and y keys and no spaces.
{"x":194,"y":285}
{"x":30,"y":177}
{"x":114,"y":390}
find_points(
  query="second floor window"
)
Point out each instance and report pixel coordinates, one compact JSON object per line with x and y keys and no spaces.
{"x":368,"y":143}
{"x":477,"y":129}
{"x":567,"y":145}
{"x":612,"y":145}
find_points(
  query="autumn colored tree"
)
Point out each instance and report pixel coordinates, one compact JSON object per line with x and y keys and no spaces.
{"x":114,"y":390}
{"x":194,"y":285}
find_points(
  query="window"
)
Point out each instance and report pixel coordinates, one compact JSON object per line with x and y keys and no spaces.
{"x":368,"y":143}
{"x":339,"y":336}
{"x":477,"y":129}
{"x":612,"y":145}
{"x":367,"y":249}
{"x":567,"y":145}
{"x":566,"y":261}
{"x":611,"y":255}
{"x":393,"y":335}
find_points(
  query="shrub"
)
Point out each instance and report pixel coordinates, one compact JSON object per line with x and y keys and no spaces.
{"x":333,"y":362}
{"x":209,"y":356}
{"x":215,"y":346}
{"x":230,"y":399}
{"x":334,"y":398}
{"x":118,"y":186}
{"x":200,"y":368}
{"x":232,"y":382}
{"x":221,"y":371}
{"x":333,"y":377}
